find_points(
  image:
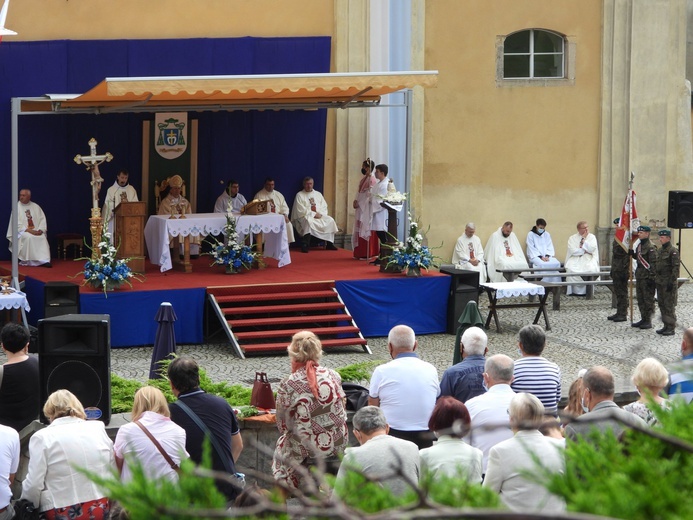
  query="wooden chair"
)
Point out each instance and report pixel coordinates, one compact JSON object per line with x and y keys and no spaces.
{"x":66,"y":240}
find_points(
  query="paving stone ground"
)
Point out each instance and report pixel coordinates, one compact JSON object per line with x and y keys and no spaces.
{"x":580,"y":337}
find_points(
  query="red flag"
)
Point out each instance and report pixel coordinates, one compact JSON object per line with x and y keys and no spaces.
{"x":628,"y":223}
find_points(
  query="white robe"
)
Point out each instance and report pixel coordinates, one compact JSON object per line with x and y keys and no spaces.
{"x":379,"y":218}
{"x":542,"y":245}
{"x":303,"y":217}
{"x":167,"y":207}
{"x":464,"y":248}
{"x":503,"y":253}
{"x":113,"y":200}
{"x":33,"y":249}
{"x":579,"y":259}
{"x":224,"y":200}
{"x":278,"y":205}
{"x":362,"y":214}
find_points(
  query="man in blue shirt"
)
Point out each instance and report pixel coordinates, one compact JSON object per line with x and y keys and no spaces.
{"x":465,"y":379}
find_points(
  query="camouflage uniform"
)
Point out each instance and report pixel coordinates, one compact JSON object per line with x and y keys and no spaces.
{"x":619,"y":274}
{"x":646,"y":256}
{"x":666,"y":278}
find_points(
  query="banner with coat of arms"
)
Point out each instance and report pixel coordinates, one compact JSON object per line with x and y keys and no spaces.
{"x":170,"y":130}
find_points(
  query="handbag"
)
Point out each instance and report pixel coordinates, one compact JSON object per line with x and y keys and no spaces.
{"x":166,"y":456}
{"x":24,"y":510}
{"x":262,"y":395}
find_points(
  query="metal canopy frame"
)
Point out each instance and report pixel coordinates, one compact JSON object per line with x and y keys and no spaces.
{"x":220,"y":93}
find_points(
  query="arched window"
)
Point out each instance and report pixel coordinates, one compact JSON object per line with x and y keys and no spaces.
{"x":533,"y":53}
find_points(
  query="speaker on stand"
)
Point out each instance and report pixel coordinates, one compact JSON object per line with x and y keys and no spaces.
{"x":680,"y":215}
{"x":75,"y":354}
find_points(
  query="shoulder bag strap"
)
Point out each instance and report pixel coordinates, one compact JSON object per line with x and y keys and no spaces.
{"x":206,"y":431}
{"x":168,"y":458}
{"x":2,"y":373}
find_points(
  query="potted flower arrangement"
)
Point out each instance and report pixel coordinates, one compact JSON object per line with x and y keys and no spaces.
{"x":231,"y":253}
{"x":412,"y":255}
{"x":103,"y":270}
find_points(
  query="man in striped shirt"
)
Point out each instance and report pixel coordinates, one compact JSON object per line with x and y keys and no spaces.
{"x":681,"y":374}
{"x":535,"y":374}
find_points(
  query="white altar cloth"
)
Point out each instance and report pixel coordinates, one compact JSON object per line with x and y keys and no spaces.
{"x":512,"y":289}
{"x":160,"y":227}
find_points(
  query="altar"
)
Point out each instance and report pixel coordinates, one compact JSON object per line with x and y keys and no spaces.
{"x":160,"y":228}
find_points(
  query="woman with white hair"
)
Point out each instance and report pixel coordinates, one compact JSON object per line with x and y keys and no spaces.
{"x":56,"y":453}
{"x":528,"y":451}
{"x":649,"y":377}
{"x":311,"y":413}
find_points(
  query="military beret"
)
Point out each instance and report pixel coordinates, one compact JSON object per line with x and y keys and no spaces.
{"x":644,"y":228}
{"x":616,"y":220}
{"x":664,"y":233}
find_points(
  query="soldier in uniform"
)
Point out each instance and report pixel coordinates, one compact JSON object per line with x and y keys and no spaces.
{"x":645,"y":255}
{"x":666,"y":278}
{"x":620,"y":271}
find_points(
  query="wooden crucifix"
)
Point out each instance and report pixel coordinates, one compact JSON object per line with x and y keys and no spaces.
{"x":92,"y":162}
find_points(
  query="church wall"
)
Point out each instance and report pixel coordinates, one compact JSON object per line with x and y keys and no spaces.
{"x":135,"y":19}
{"x":493,"y":153}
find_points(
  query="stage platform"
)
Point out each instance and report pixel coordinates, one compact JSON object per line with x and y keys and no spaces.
{"x":378,"y":301}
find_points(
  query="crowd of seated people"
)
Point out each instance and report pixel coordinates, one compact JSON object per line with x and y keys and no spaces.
{"x":493,"y":439}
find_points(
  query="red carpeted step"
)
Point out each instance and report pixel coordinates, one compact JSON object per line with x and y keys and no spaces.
{"x":289,"y":320}
{"x":342,"y":342}
{"x":298,"y":307}
{"x":270,"y":288}
{"x":305,"y":295}
{"x":321,"y":331}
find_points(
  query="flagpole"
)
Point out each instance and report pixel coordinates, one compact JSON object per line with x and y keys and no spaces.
{"x":630,"y":261}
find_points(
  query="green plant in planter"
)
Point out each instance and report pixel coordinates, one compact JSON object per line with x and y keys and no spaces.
{"x":358,"y":372}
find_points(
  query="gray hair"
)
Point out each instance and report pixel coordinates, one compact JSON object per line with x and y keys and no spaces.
{"x":600,"y":381}
{"x":533,"y":339}
{"x":402,"y":337}
{"x":369,"y":419}
{"x":470,"y":225}
{"x":500,"y":368}
{"x":526,"y":411}
{"x":474,"y":341}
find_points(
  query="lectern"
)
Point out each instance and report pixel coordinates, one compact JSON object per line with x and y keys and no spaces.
{"x":129,"y":233}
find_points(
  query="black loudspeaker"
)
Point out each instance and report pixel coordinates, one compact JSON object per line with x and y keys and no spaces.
{"x":464,"y":287}
{"x":60,"y":298}
{"x":75,"y":354}
{"x":680,"y":209}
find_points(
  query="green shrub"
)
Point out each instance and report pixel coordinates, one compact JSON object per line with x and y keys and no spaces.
{"x":358,"y":372}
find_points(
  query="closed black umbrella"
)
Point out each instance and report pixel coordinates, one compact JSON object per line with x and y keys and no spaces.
{"x":470,"y":317}
{"x":165,"y":339}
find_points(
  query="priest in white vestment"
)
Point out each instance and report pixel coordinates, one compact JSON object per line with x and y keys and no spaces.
{"x":30,"y":234}
{"x":176,"y":204}
{"x":231,"y":201}
{"x":503,"y":251}
{"x":582,"y":257}
{"x":540,"y":251}
{"x":363,"y":240}
{"x":310,"y":218}
{"x":277,"y":205}
{"x":469,"y":254}
{"x":121,"y":191}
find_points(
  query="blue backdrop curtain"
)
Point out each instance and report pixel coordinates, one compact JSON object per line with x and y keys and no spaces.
{"x":246,"y":146}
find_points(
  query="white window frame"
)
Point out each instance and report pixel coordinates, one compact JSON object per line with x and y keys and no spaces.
{"x":568,"y":77}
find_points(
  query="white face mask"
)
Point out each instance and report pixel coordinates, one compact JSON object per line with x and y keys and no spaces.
{"x":582,"y":403}
{"x":483,"y":383}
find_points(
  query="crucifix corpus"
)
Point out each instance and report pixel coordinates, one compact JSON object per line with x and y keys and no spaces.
{"x":92,"y":162}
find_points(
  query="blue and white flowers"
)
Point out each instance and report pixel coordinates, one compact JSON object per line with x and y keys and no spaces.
{"x":230,"y":252}
{"x":106,"y":272}
{"x":412,"y":254}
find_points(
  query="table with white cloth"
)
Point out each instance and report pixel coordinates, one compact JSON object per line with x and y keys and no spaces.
{"x":160,"y":228}
{"x":500,"y":290}
{"x":13,"y":301}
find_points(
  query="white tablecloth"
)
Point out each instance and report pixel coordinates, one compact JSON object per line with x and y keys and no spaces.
{"x":511,"y":289}
{"x":160,"y":227}
{"x":14,"y":300}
